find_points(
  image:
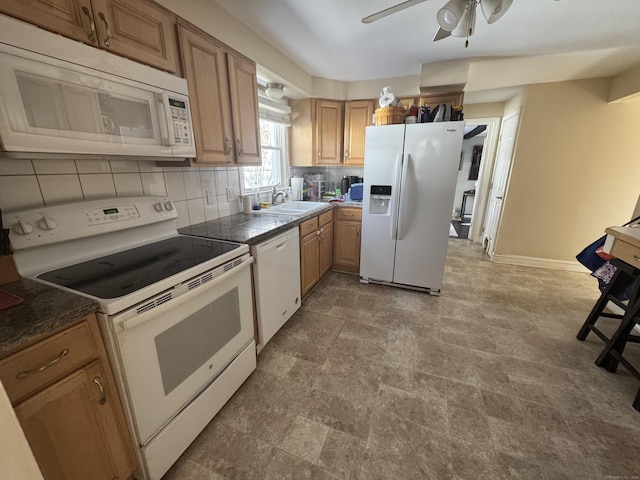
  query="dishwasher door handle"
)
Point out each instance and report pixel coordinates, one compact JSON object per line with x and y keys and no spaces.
{"x":282,"y":246}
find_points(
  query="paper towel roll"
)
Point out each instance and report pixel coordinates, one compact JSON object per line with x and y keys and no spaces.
{"x":386,"y":100}
{"x":296,"y":188}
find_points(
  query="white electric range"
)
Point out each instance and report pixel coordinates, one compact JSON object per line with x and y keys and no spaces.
{"x":176,"y":311}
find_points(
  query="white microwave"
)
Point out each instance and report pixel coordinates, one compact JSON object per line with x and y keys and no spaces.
{"x":59,"y":97}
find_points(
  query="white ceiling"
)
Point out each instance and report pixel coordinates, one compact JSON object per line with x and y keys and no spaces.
{"x":566,"y":39}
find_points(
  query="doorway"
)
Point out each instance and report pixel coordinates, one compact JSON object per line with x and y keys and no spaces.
{"x":473,"y":146}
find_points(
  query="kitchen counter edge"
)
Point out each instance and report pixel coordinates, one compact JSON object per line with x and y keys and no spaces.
{"x":44,"y":312}
{"x":253,"y":228}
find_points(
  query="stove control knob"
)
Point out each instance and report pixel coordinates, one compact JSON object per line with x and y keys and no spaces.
{"x":47,"y":223}
{"x":158,"y":206}
{"x":23,"y":228}
{"x":168,"y":206}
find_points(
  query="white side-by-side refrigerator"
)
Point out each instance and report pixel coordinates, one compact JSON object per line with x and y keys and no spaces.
{"x":410,"y":174}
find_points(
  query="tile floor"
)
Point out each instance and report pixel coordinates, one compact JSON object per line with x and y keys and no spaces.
{"x":486,"y":381}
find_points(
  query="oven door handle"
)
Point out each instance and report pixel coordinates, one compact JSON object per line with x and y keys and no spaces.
{"x":129,"y":323}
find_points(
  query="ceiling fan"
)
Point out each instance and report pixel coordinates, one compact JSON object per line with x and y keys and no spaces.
{"x":456,"y":17}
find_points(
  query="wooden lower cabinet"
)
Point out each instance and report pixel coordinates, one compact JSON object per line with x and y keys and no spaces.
{"x":316,"y":250}
{"x":348,"y":223}
{"x":71,"y":415}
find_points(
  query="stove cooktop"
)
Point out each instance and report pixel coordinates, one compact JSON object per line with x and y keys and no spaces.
{"x":122,"y":273}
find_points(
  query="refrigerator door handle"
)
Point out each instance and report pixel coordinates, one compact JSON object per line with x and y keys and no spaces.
{"x":395,"y":196}
{"x":402,"y":207}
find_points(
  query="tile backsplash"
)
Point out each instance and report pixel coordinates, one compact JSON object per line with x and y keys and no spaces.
{"x":200,"y":194}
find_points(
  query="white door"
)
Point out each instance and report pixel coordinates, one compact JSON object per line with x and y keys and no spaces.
{"x":501,"y":170}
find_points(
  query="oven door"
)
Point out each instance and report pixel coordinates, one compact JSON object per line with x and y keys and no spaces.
{"x":171,"y":352}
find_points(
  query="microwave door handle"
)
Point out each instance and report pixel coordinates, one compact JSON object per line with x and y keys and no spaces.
{"x":166,"y":125}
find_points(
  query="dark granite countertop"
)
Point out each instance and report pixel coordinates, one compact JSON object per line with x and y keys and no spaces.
{"x":45,"y":311}
{"x":252,"y":228}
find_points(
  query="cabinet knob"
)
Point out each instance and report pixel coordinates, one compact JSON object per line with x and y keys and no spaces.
{"x":239,"y":149}
{"x":227,"y":146}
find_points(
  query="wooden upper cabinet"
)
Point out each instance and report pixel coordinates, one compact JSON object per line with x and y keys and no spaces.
{"x":205,"y":68}
{"x":137,"y":29}
{"x":71,"y":18}
{"x":433,"y":100}
{"x":316,"y":132}
{"x":244,"y":107}
{"x":357,"y":116}
{"x":329,"y":132}
{"x":223,"y":92}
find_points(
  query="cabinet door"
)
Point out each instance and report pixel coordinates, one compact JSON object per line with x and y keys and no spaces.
{"x":244,"y":110}
{"x":433,"y":100}
{"x":139,"y":30}
{"x":347,"y":246}
{"x":205,"y":69}
{"x":329,"y":132}
{"x":357,"y":116}
{"x":309,"y":262}
{"x":71,"y":18}
{"x":73,"y":430}
{"x":325,"y":248}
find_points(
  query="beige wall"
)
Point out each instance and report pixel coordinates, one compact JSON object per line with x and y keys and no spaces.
{"x":210,"y":17}
{"x":483,"y":110}
{"x":575,"y":169}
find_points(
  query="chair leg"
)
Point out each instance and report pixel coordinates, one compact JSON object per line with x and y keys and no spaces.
{"x":619,"y":339}
{"x":597,"y":309}
{"x":636,"y":401}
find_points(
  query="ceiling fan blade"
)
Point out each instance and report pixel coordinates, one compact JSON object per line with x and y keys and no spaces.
{"x":440,"y":34}
{"x":391,"y":10}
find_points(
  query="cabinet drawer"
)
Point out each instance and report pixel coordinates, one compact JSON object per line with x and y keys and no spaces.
{"x":626,"y":252}
{"x":348,"y":214}
{"x":37,"y":366}
{"x":325,"y":217}
{"x":308,"y":226}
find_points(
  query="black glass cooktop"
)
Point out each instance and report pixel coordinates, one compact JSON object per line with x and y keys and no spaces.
{"x":125,"y":272}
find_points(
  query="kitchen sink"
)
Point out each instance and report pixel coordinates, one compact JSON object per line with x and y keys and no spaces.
{"x":296,"y":208}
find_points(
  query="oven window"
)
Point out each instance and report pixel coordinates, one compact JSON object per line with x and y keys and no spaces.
{"x":188,"y":345}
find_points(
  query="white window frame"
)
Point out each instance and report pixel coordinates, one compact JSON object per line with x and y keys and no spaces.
{"x":277,"y":113}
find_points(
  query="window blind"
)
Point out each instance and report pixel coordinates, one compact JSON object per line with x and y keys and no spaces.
{"x":273,"y":111}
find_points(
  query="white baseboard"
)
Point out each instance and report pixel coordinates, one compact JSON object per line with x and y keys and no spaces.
{"x":567,"y":265}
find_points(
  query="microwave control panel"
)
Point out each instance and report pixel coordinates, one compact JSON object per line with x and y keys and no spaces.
{"x":181,"y":121}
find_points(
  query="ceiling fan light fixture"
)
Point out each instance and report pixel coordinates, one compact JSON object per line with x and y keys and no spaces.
{"x":493,"y":10}
{"x":467,"y":24}
{"x":449,"y":16}
{"x":274,"y":91}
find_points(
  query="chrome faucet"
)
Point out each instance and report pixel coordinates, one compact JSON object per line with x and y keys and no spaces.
{"x":275,"y":195}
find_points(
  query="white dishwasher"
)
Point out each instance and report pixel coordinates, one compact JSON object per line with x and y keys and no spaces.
{"x":276,"y":274}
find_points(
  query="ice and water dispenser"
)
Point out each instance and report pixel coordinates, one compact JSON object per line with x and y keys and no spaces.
{"x":380,"y":200}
